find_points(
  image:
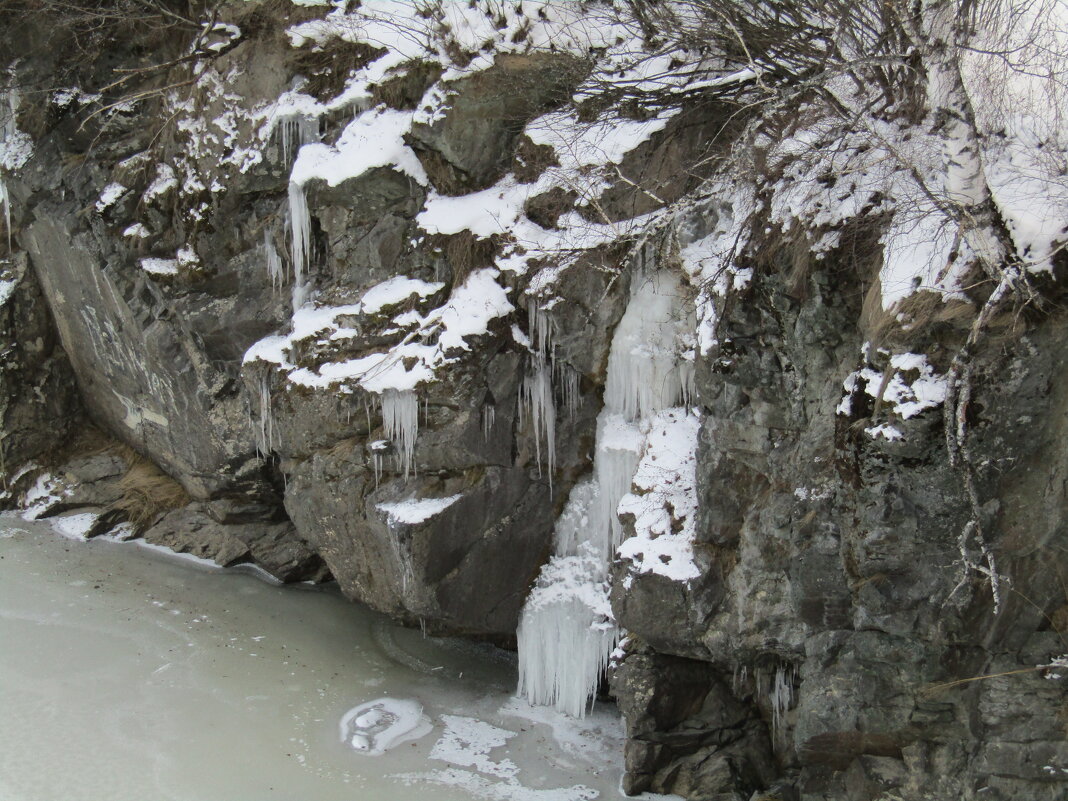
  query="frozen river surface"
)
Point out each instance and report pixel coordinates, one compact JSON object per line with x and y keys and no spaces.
{"x":126,"y":674}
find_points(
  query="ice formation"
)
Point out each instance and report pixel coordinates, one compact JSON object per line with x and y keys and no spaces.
{"x":400,"y":419}
{"x":376,"y":726}
{"x":300,"y":244}
{"x":536,"y":399}
{"x":6,"y":203}
{"x":566,"y":632}
{"x":295,"y":131}
{"x":273,"y":261}
{"x":265,"y":440}
{"x":536,"y":392}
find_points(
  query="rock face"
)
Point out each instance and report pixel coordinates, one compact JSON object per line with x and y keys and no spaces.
{"x":38,"y":402}
{"x":356,"y":301}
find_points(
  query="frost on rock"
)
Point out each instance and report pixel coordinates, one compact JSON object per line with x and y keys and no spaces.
{"x":375,"y":727}
{"x":566,"y":632}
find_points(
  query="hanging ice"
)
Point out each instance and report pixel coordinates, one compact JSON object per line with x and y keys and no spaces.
{"x":400,"y":419}
{"x":536,"y":399}
{"x":265,"y":441}
{"x":536,"y":391}
{"x":273,"y":260}
{"x":300,"y":242}
{"x":7,"y":212}
{"x":566,"y":631}
{"x":644,"y":372}
{"x":296,"y":131}
{"x":567,"y":378}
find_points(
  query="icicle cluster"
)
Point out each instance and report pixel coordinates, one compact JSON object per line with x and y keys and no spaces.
{"x":566,"y":633}
{"x":644,"y":372}
{"x":400,"y":419}
{"x":378,"y":449}
{"x":536,"y":391}
{"x":296,"y":131}
{"x":536,"y":399}
{"x":567,"y":378}
{"x":7,"y":130}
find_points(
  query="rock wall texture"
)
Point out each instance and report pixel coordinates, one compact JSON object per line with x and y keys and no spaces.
{"x":347,"y":282}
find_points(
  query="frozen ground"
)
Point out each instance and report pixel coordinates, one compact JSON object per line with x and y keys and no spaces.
{"x":125,"y":674}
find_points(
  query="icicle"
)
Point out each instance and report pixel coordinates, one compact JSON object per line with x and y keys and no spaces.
{"x":378,"y":448}
{"x":400,"y":419}
{"x":541,"y":327}
{"x":536,"y":398}
{"x":266,"y":432}
{"x":300,"y":242}
{"x":273,"y":260}
{"x":6,"y":203}
{"x":781,"y":698}
{"x":489,"y":412}
{"x":567,"y":378}
{"x":295,"y":132}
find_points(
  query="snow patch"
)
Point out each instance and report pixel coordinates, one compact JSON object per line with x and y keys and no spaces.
{"x":416,"y":510}
{"x":664,"y":505}
{"x":74,"y":527}
{"x":110,"y":196}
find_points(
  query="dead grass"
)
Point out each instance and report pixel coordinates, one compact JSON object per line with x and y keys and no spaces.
{"x":147,"y":492}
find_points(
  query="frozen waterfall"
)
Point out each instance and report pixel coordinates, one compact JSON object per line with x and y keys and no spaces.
{"x":566,"y":631}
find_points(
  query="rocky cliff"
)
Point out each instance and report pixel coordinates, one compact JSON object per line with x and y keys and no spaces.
{"x":401,"y":294}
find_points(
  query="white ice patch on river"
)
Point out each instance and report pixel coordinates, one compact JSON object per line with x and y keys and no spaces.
{"x":127,"y":675}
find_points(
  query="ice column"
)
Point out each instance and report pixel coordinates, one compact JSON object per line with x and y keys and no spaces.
{"x":300,"y":242}
{"x":566,"y":631}
{"x":5,"y":202}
